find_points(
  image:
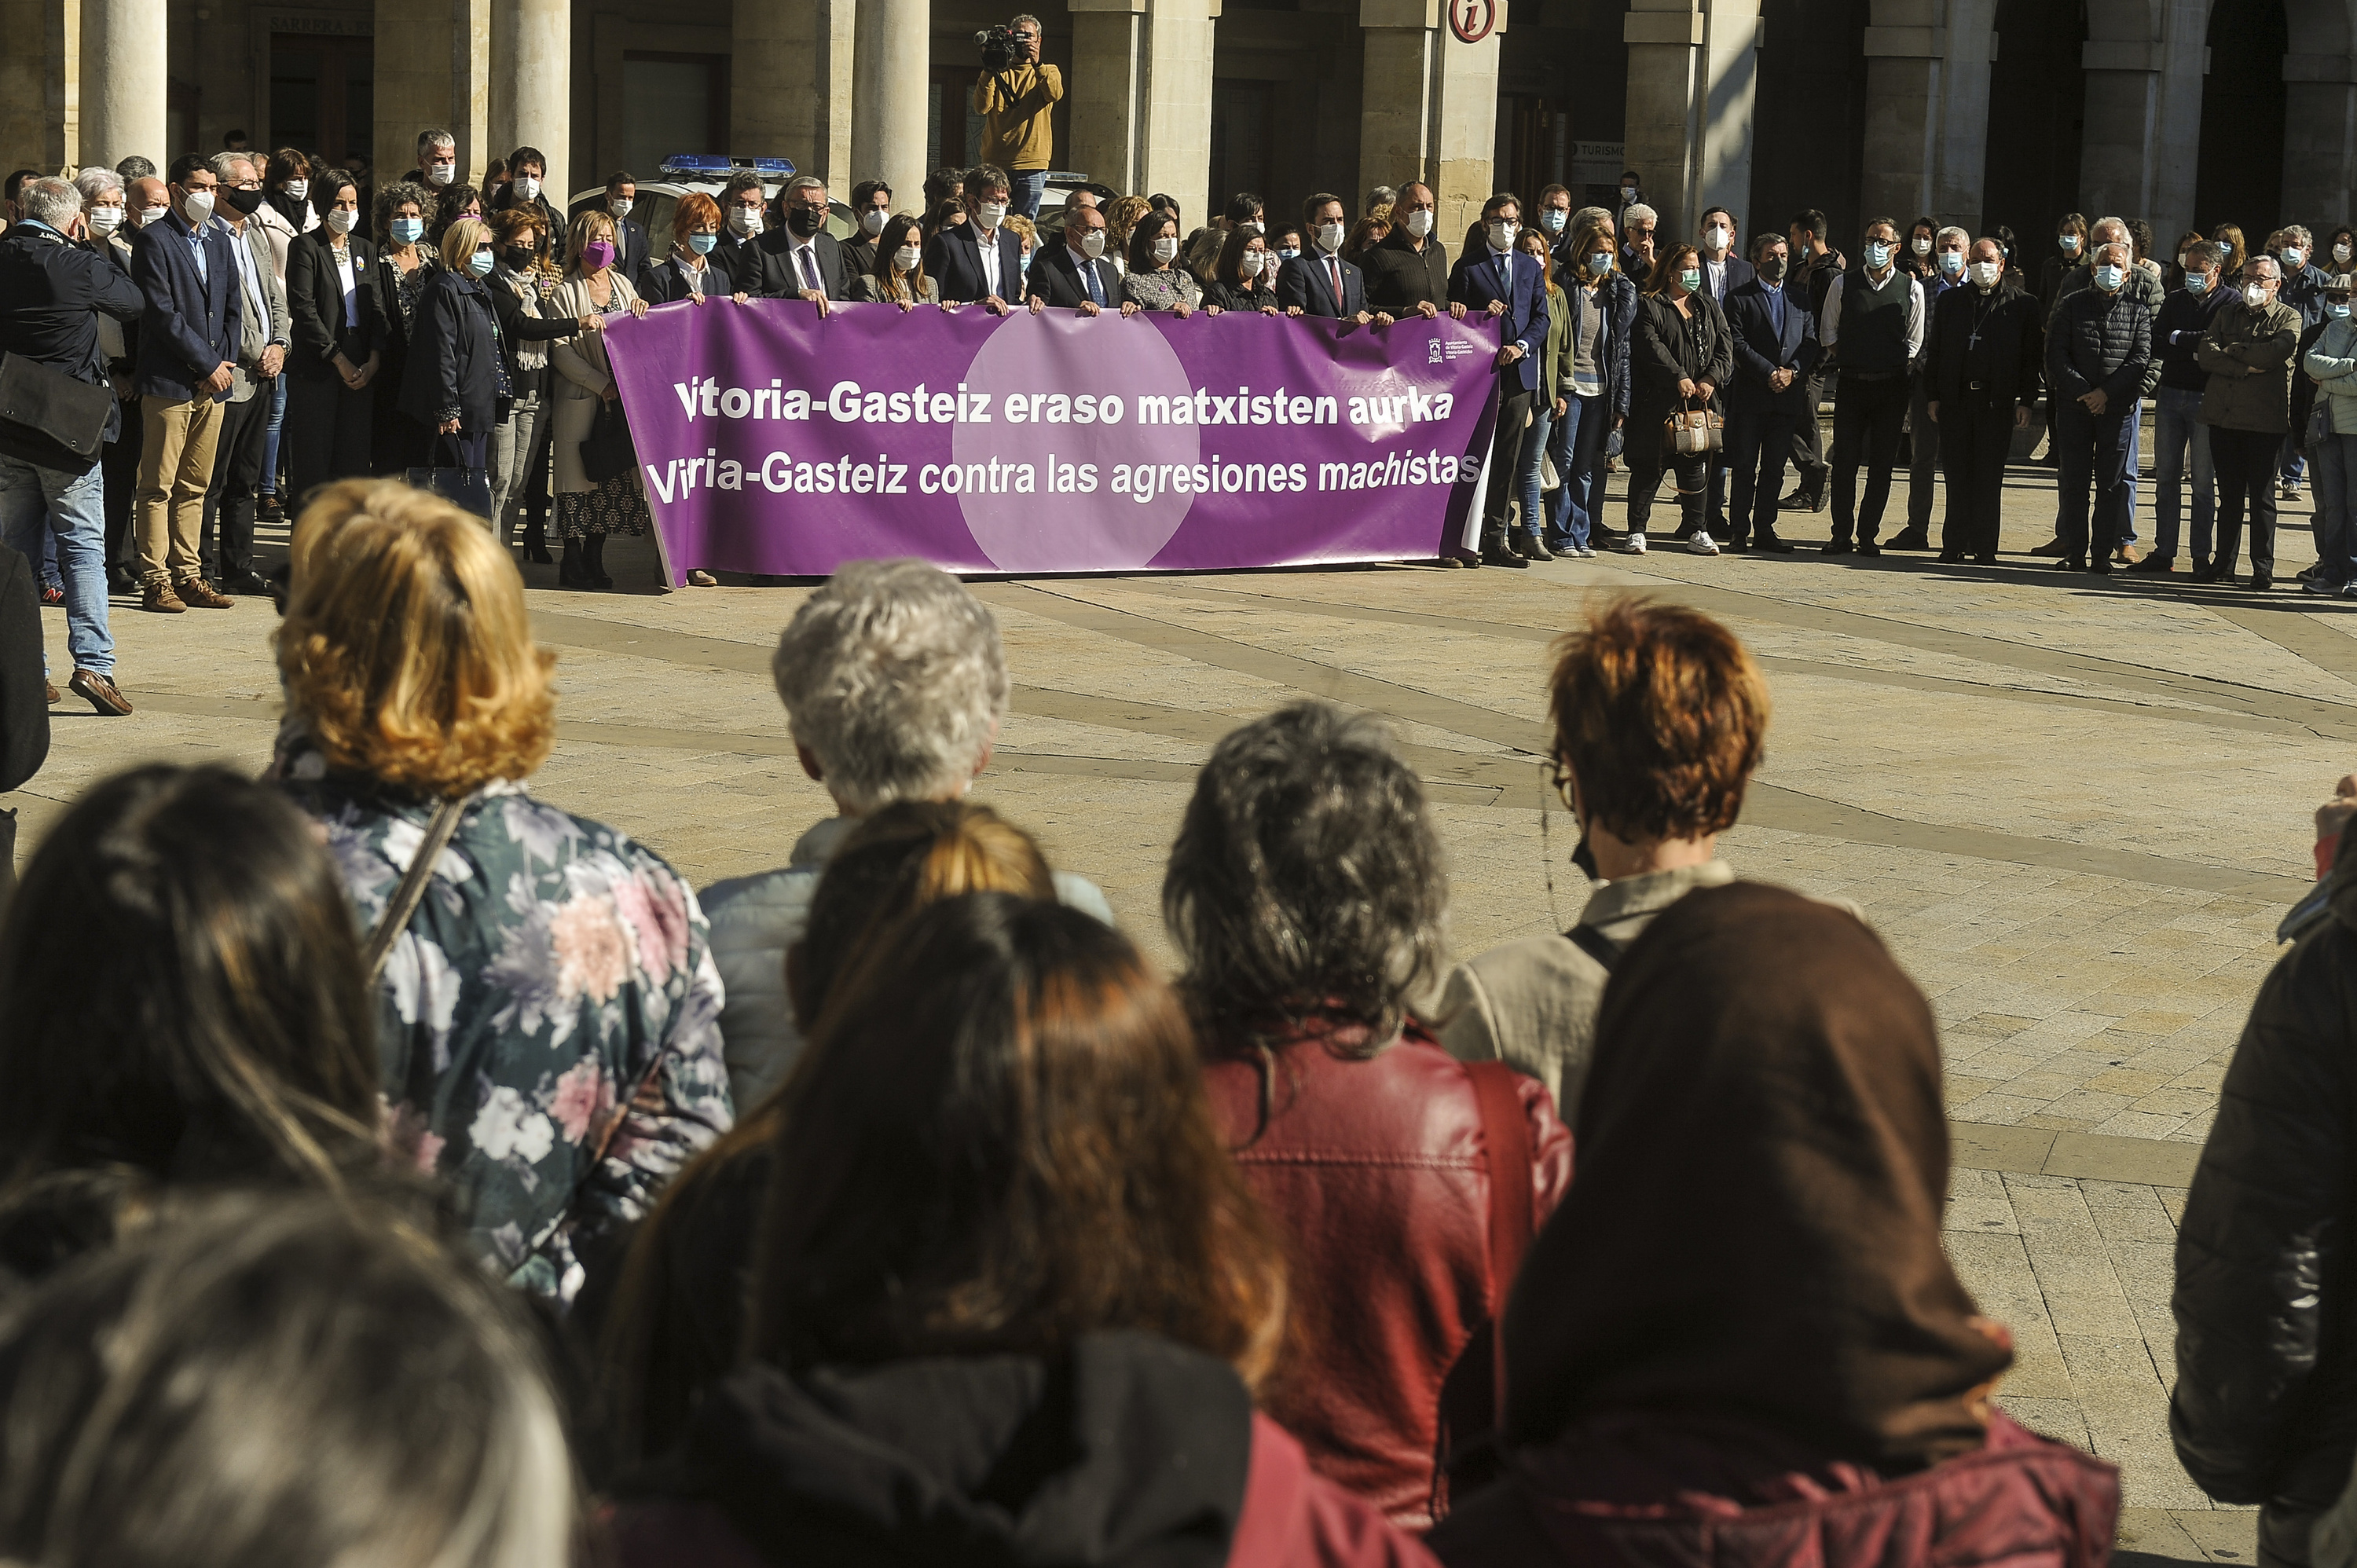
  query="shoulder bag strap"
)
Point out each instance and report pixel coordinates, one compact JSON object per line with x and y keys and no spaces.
{"x":406,"y":897}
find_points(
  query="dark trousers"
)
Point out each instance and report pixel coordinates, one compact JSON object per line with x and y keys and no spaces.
{"x":1976,"y":438}
{"x":1646,"y":462}
{"x":120,"y":459}
{"x":226,"y":546}
{"x":1868,"y":418}
{"x":1757,"y":445}
{"x":1505,"y":460}
{"x":2246,"y":462}
{"x":326,"y":436}
{"x":2092,"y":447}
{"x":1808,"y":438}
{"x":1923,"y":454}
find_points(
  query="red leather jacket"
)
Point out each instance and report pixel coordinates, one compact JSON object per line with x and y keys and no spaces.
{"x":1373,"y":1168}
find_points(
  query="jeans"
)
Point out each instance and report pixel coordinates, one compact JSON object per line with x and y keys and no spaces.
{"x":1031,"y":185}
{"x":1530,"y":470}
{"x":72,"y":507}
{"x":511,"y":446}
{"x":2180,"y":434}
{"x":270,"y":437}
{"x":2291,"y":467}
{"x":47,"y":563}
{"x":2093,"y":448}
{"x":2135,"y":469}
{"x":1576,"y":443}
{"x":1868,"y":415}
{"x":2335,"y":457}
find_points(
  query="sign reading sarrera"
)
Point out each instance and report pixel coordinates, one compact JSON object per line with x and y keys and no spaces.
{"x":771,"y":440}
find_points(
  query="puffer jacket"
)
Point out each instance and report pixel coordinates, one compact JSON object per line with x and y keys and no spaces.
{"x":2265,"y":1407}
{"x":1647,"y":1490}
{"x":1376,"y":1169}
{"x":2103,"y":340}
{"x":2140,"y":285}
{"x":2239,"y":339}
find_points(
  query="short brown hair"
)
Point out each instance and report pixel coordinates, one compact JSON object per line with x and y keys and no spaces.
{"x":519,"y":226}
{"x":695,"y":208}
{"x":406,"y":650}
{"x":1661,"y":714}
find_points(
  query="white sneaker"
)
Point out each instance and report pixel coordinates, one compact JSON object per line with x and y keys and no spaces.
{"x":1701,"y":543}
{"x":1587,"y":553}
{"x":1631,"y":544}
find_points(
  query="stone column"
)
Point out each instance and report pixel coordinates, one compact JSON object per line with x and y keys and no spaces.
{"x":2320,"y":141}
{"x":785,"y":63}
{"x":531,"y":87}
{"x":124,"y":57}
{"x":433,"y":68}
{"x":1428,"y":109}
{"x":2144,"y":114}
{"x":1692,"y":66}
{"x":887,"y":118}
{"x":1140,"y":86}
{"x":1926,"y":148}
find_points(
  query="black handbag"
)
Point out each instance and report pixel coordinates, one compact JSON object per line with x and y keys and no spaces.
{"x":468,"y":489}
{"x":50,"y":418}
{"x":608,"y":450}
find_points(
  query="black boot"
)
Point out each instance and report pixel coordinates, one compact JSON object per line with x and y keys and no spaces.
{"x":595,"y":562}
{"x":570,"y":570}
{"x":535,"y":539}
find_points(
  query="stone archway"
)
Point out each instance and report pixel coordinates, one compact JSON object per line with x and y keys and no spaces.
{"x":2239,"y":177}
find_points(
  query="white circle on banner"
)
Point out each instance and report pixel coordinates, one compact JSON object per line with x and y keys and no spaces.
{"x":1059,"y":526}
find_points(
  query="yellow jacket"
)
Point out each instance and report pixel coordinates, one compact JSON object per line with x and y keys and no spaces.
{"x":1014,"y":106}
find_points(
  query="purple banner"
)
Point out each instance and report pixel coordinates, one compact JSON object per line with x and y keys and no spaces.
{"x":771,"y":440}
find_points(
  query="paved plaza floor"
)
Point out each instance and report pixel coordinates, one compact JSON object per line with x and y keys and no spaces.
{"x":2075,"y":806}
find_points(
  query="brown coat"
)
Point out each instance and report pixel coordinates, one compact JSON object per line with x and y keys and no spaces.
{"x":2239,"y":342}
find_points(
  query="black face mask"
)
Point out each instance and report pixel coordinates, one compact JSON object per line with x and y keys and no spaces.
{"x":1772,"y":268}
{"x":245,"y":201}
{"x":518,"y":258}
{"x":805,"y":220}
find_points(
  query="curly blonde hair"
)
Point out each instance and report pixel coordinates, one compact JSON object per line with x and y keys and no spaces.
{"x":406,"y":650}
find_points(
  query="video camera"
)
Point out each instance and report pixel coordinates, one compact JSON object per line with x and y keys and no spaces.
{"x":1001,"y":49}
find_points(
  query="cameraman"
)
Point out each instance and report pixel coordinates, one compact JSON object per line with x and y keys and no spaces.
{"x":1014,"y":102}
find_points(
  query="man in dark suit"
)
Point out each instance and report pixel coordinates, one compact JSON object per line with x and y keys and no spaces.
{"x":1318,"y":281}
{"x":798,"y":259}
{"x":1982,"y":367}
{"x":1775,"y":349}
{"x":980,"y":258}
{"x":1498,"y":279}
{"x":744,"y":214}
{"x":1723,"y":271}
{"x":1077,"y":274}
{"x":188,"y":338}
{"x":631,"y":247}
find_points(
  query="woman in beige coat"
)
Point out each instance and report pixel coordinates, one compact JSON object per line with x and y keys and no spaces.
{"x":586,"y":512}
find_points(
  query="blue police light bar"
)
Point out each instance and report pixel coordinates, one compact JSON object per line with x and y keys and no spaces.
{"x":719,"y":166}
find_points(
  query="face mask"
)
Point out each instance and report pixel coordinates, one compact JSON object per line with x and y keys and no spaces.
{"x":244,"y":203}
{"x":2338,"y":311}
{"x":1288,"y":253}
{"x":1877,"y":255}
{"x":2340,"y":252}
{"x":296,"y":190}
{"x":1628,"y":193}
{"x":2069,"y":243}
{"x":1985,"y":273}
{"x":1600,"y":263}
{"x":1329,"y":237}
{"x":1691,"y":278}
{"x":597,"y":255}
{"x":620,"y":207}
{"x":340,"y":220}
{"x":1093,"y":243}
{"x":2293,"y":256}
{"x":152,"y":215}
{"x":1501,"y":235}
{"x":2255,"y":295}
{"x":442,"y":174}
{"x":526,"y":187}
{"x":1420,"y":224}
{"x":746,"y":221}
{"x":1248,"y":264}
{"x":407,"y":230}
{"x":1166,"y":249}
{"x":805,"y":221}
{"x":991,"y":213}
{"x":1716,"y":239}
{"x":480,"y":263}
{"x":907,"y":257}
{"x":518,"y":258}
{"x":2109,"y":277}
{"x":871,"y":222}
{"x":1923,"y":245}
{"x":1553,"y":219}
{"x":1952,"y":261}
{"x":197,"y":206}
{"x":104,"y":220}
{"x":1772,"y":268}
{"x":2196,"y":283}
{"x":702,"y":244}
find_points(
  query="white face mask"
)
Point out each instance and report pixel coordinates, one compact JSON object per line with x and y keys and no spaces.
{"x":1715,"y":238}
{"x":2255,"y":295}
{"x":2340,"y":252}
{"x":1093,"y":243}
{"x":152,"y":215}
{"x":745,"y":219}
{"x":341,"y":220}
{"x":441,"y":174}
{"x":620,"y":206}
{"x":527,"y":186}
{"x":871,"y":222}
{"x":197,"y":206}
{"x":907,"y":257}
{"x":1248,"y":264}
{"x":104,"y":220}
{"x":991,"y":213}
{"x":1329,"y":237}
{"x":1628,"y":193}
{"x":1501,"y":235}
{"x":1420,"y":223}
{"x":296,"y":190}
{"x":1985,"y":273}
{"x":1923,"y":245}
{"x":2293,"y":258}
{"x":1166,"y":249}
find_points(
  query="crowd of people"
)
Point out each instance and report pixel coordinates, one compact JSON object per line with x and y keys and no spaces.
{"x":435,"y":1178}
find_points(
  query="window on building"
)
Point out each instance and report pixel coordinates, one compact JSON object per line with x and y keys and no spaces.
{"x":676,"y":104}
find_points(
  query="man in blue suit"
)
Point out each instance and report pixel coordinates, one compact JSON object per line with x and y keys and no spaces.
{"x":1318,"y":281}
{"x":981,"y":258}
{"x":188,"y":335}
{"x":1495,"y":278}
{"x":1775,"y":349}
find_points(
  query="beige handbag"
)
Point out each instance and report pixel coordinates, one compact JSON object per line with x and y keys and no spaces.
{"x":1692,"y":431}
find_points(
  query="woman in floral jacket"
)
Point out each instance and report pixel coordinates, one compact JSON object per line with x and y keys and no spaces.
{"x":550,"y":1012}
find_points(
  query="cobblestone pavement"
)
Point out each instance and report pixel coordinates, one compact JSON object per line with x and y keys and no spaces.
{"x":2076,"y":807}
